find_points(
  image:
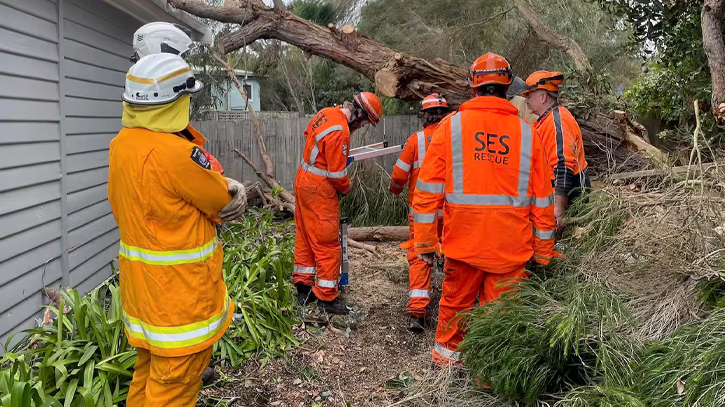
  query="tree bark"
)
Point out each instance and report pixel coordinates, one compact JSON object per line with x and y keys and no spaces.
{"x":554,"y":39}
{"x":712,"y":39}
{"x":380,"y":233}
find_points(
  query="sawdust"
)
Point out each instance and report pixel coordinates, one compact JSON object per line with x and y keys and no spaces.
{"x":367,"y":359}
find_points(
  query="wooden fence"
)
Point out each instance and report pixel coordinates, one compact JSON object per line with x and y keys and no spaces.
{"x":283,"y":134}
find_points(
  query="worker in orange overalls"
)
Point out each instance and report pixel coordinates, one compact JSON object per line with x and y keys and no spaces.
{"x":488,"y":169}
{"x":433,"y":109}
{"x":166,"y":200}
{"x":562,"y":139}
{"x":319,"y":183}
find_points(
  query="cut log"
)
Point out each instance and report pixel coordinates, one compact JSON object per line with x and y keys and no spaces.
{"x":635,"y":134}
{"x":348,"y":29}
{"x":380,"y":233}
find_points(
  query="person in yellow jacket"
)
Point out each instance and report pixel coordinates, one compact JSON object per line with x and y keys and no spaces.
{"x":167,"y":201}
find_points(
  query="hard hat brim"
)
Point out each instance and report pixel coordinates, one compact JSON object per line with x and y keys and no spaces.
{"x":198,"y":85}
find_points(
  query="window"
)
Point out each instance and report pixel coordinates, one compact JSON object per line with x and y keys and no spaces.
{"x":248,"y":90}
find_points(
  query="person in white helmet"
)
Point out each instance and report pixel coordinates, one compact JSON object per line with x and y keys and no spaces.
{"x":159,"y":37}
{"x":162,"y":37}
{"x":166,"y":201}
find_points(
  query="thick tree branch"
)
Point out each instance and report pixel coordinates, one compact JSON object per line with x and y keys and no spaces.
{"x":712,"y":39}
{"x":554,"y":39}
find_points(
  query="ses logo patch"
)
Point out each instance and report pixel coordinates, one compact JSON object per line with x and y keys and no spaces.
{"x":492,"y":148}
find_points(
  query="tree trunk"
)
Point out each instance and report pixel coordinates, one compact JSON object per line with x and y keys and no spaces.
{"x":380,"y":233}
{"x":712,"y":39}
{"x":554,"y":39}
{"x":395,"y":74}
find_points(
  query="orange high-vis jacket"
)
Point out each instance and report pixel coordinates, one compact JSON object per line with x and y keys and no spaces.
{"x":407,"y":167}
{"x":489,"y":168}
{"x":327,"y":144}
{"x":563,"y":144}
{"x":166,"y":201}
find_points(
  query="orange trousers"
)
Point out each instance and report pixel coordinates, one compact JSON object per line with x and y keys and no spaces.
{"x":418,"y":276}
{"x":318,"y":255}
{"x":462,"y":284}
{"x":167,"y":382}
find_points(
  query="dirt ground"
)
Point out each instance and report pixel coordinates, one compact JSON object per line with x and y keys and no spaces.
{"x":368,"y":359}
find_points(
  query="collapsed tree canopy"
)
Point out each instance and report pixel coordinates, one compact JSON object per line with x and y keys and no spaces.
{"x":394,"y":73}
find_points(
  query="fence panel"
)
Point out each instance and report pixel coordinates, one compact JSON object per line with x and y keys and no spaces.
{"x":283,"y":134}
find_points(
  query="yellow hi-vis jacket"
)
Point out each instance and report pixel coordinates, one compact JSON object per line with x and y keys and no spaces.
{"x":166,"y":201}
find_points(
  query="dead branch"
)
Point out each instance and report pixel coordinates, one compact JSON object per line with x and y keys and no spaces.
{"x":358,"y":245}
{"x":635,"y":135}
{"x":673,"y":171}
{"x":271,"y":182}
{"x":554,"y":39}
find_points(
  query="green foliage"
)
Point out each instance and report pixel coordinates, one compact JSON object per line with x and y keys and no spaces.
{"x":687,"y":368}
{"x":712,"y":291}
{"x":601,"y":396}
{"x":258,"y":258}
{"x":551,"y":335}
{"x":371,"y":203}
{"x":83,"y":359}
{"x":321,"y":12}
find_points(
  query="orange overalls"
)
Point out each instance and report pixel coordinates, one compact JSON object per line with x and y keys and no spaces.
{"x":197,"y":138}
{"x":166,"y":199}
{"x":564,"y":148}
{"x":319,"y":180}
{"x":489,"y":168}
{"x":406,"y":171}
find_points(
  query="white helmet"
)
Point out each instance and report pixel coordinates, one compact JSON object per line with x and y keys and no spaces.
{"x":159,"y":79}
{"x":159,"y":37}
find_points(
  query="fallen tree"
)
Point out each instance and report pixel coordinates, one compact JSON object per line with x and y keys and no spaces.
{"x":395,"y":73}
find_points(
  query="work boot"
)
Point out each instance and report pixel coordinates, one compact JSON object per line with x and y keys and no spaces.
{"x":304,"y":294}
{"x":417,"y":324}
{"x":336,"y":306}
{"x":208,"y":377}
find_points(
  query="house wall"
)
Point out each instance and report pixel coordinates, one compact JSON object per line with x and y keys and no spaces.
{"x":236,"y":101}
{"x":62,"y":72}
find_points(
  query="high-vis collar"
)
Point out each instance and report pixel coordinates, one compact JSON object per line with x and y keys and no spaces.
{"x":490,"y":103}
{"x":547,"y":112}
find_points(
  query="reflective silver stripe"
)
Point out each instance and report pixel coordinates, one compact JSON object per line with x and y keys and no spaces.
{"x":417,"y":164}
{"x":457,"y":153}
{"x":315,"y":149}
{"x":447,"y":353}
{"x":543,"y":202}
{"x":402,"y":165}
{"x":487,"y":200}
{"x":324,"y":173}
{"x":432,"y":187}
{"x":304,"y":270}
{"x":440,"y":213}
{"x":327,"y":283}
{"x":419,"y":294}
{"x":545,"y":234}
{"x":424,"y":217}
{"x":421,"y":147}
{"x":458,"y":197}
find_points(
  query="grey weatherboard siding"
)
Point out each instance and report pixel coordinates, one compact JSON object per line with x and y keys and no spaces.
{"x":62,"y":71}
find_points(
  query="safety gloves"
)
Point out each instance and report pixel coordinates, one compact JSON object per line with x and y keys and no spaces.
{"x":238,"y":205}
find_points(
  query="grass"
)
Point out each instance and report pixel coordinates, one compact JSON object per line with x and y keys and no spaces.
{"x":371,"y":203}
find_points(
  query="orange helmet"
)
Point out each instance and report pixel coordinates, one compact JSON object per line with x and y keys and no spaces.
{"x":432,"y":101}
{"x":490,"y":69}
{"x":371,"y":105}
{"x":544,"y":80}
